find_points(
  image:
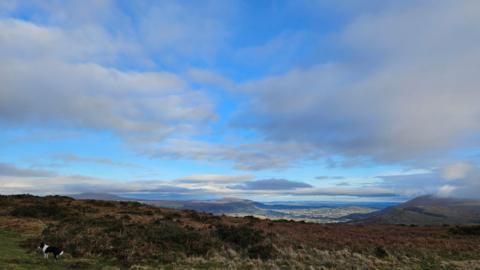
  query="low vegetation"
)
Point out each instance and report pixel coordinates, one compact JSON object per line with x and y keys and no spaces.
{"x":130,"y":235}
{"x":466,"y":230}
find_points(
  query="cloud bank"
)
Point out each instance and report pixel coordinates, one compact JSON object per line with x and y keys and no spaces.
{"x":271,"y":184}
{"x":409,"y":92}
{"x":14,"y":180}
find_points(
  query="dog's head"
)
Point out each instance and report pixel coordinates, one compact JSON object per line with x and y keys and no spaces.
{"x":41,"y":245}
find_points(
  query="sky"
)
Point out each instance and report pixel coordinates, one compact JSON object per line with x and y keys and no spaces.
{"x":265,"y":100}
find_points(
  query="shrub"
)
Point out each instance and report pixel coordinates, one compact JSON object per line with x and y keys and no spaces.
{"x":131,"y":204}
{"x":465,"y":230}
{"x":129,"y":242}
{"x":380,"y":252}
{"x":45,"y":210}
{"x":261,"y":251}
{"x":242,"y":236}
{"x":246,"y":239}
{"x":172,"y":215}
{"x":99,"y":203}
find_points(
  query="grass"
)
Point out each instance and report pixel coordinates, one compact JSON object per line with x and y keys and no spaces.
{"x":14,"y":257}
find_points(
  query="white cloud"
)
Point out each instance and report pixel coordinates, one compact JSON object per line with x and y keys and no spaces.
{"x":13,"y":171}
{"x":457,"y":171}
{"x":215,"y":179}
{"x":446,"y":190}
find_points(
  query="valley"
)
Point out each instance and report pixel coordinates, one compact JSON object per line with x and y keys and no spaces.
{"x":317,"y":212}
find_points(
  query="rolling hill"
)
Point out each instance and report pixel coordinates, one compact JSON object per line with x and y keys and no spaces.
{"x":131,"y":235}
{"x":427,"y":210}
{"x":100,"y":197}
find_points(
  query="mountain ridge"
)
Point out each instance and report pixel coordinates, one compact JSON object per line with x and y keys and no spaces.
{"x":428,"y":210}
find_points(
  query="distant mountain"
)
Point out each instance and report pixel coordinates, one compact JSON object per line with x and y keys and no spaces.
{"x":221,"y":206}
{"x":321,"y":213}
{"x":100,"y":197}
{"x":306,"y":211}
{"x":427,"y":210}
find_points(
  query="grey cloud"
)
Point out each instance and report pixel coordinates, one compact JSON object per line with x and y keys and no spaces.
{"x":412,"y":184}
{"x":343,"y":184}
{"x":7,"y":169}
{"x":14,"y":180}
{"x":7,"y":6}
{"x":254,"y":156}
{"x":23,"y":40}
{"x":52,"y":185}
{"x":467,"y":185}
{"x":74,"y":184}
{"x":46,"y":89}
{"x":165,"y":28}
{"x":168,"y":189}
{"x":355,"y":192}
{"x":271,"y":184}
{"x":451,"y":179}
{"x":158,"y":190}
{"x":79,"y":187}
{"x":68,"y":158}
{"x":409,"y":94}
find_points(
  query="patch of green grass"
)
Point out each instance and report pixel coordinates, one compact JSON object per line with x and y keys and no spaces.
{"x":13,"y":257}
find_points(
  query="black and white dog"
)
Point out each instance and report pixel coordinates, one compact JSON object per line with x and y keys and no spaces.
{"x":48,"y":249}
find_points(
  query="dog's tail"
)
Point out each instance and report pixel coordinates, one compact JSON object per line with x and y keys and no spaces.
{"x":61,"y":253}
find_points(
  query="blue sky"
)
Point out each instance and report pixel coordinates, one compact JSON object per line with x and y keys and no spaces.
{"x":265,"y":100}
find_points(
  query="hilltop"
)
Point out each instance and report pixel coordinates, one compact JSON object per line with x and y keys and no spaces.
{"x":428,"y":210}
{"x":128,"y":235}
{"x":100,"y":197}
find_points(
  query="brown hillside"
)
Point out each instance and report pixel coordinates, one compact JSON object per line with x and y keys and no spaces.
{"x":136,"y":234}
{"x":428,"y":210}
